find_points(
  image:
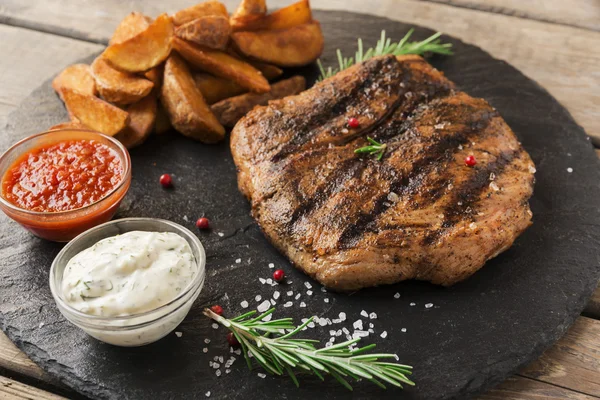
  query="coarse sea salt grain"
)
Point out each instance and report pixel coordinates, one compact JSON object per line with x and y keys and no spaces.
{"x":358,"y":324}
{"x":264,"y":306}
{"x":205,"y":350}
{"x":273,"y":302}
{"x":569,"y":170}
{"x":271,"y":265}
{"x":221,"y":234}
{"x":345,"y":330}
{"x":309,"y":292}
{"x":373,"y":315}
{"x":326,"y":300}
{"x":428,"y":305}
{"x":342,"y":316}
{"x":218,"y":372}
{"x":290,"y":293}
{"x":215,"y":326}
{"x":178,"y":334}
{"x":268,"y":318}
{"x":403,"y":329}
{"x":207,"y":394}
{"x":244,"y":304}
{"x":269,"y":281}
{"x":239,"y":260}
{"x":308,"y":285}
{"x":383,"y":334}
{"x":262,"y":280}
{"x":323,"y":289}
{"x":364,"y":314}
{"x":207,"y":341}
{"x":397,"y":296}
{"x":216,"y":365}
{"x":413,"y":304}
{"x":258,"y":297}
{"x":261,"y":375}
{"x":302,"y":304}
{"x":298,"y":296}
{"x":276,"y":295}
{"x":288,"y":304}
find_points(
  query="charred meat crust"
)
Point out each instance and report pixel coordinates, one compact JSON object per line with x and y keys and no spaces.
{"x":351,"y":221}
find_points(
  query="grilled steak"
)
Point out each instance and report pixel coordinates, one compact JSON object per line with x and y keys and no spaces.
{"x":352,"y":221}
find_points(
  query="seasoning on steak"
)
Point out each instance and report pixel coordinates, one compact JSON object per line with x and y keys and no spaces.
{"x":351,"y":221}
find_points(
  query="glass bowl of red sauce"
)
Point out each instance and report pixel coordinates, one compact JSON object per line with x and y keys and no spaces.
{"x":61,"y":183}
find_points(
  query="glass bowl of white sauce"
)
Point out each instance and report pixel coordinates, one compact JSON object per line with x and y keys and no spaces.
{"x":129,"y":282}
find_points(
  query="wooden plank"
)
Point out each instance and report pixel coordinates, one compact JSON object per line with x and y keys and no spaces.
{"x":574,"y":361}
{"x":13,"y":390}
{"x":24,"y":70}
{"x":579,"y":13}
{"x":520,"y":388}
{"x":559,"y":57}
{"x":13,"y":359}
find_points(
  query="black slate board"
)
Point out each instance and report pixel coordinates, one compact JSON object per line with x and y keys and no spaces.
{"x":476,"y":334}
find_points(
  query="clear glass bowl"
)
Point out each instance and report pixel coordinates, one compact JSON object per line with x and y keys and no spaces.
{"x":65,"y":225}
{"x":137,"y":329}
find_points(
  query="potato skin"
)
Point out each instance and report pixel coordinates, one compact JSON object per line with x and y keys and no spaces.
{"x":222,"y":65}
{"x":211,"y":31}
{"x":231,"y":110}
{"x":185,"y":105}
{"x":293,"y":47}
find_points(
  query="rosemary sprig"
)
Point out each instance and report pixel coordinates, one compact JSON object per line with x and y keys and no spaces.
{"x":276,"y":352}
{"x":385,"y":46}
{"x":375,"y":148}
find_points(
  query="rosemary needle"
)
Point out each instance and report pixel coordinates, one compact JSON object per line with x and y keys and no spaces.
{"x":375,"y":148}
{"x":385,"y":46}
{"x":278,"y":353}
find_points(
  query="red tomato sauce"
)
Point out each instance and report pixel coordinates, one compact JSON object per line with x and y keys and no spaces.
{"x":62,"y":176}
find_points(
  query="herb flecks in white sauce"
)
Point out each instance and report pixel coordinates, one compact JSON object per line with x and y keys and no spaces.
{"x":129,"y":274}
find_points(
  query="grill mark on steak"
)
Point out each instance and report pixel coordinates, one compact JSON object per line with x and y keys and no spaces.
{"x":354,"y":166}
{"x":432,"y":156}
{"x":321,"y":115}
{"x":469,"y":194}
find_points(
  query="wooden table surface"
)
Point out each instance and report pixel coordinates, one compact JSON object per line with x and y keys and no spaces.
{"x":554,"y":42}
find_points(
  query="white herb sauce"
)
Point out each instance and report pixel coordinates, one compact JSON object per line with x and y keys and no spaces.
{"x":129,"y":274}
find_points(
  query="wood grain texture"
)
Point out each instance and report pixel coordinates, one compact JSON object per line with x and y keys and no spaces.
{"x":561,"y":58}
{"x":580,"y":13}
{"x":13,"y":359}
{"x":574,"y":361}
{"x":520,"y":388}
{"x":23,"y":71}
{"x":14,"y":390}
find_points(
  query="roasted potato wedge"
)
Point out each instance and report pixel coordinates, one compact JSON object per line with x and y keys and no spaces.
{"x":296,"y":14}
{"x":250,"y":7}
{"x":142,"y":116}
{"x":211,"y":31}
{"x":292,"y":47}
{"x":199,"y":10}
{"x":75,"y":77}
{"x":155,"y":76}
{"x":118,"y":87}
{"x":95,"y":113}
{"x":68,"y":125}
{"x":162,"y":123}
{"x":145,"y":50}
{"x":231,"y":110}
{"x":129,"y":27}
{"x":223,"y":65}
{"x":187,"y":109}
{"x":216,"y":89}
{"x":269,"y":71}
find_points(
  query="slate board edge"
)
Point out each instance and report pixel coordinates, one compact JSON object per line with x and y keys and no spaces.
{"x":62,"y":372}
